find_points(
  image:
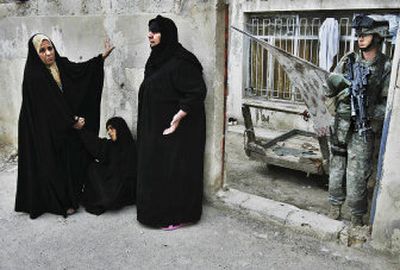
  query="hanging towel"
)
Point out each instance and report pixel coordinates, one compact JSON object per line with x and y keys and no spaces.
{"x":328,"y":42}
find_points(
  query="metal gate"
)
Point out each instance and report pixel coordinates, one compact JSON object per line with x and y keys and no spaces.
{"x":298,"y":35}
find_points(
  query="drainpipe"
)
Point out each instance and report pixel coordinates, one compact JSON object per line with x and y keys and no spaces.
{"x":226,"y":39}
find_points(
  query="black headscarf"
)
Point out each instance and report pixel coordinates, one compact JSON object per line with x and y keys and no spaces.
{"x":124,"y":135}
{"x":169,"y":45}
{"x":33,"y":61}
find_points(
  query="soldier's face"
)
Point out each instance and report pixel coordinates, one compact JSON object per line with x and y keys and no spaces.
{"x":364,"y":41}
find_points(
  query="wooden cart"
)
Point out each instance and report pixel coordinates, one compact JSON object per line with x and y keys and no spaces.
{"x":296,"y":149}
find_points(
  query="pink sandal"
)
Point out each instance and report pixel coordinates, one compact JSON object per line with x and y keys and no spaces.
{"x":172,"y":227}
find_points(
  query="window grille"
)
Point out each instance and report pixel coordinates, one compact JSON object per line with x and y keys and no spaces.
{"x":298,"y":35}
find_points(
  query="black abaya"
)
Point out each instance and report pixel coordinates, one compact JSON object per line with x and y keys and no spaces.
{"x":170,"y":168}
{"x":51,"y":160}
{"x":111,"y":182}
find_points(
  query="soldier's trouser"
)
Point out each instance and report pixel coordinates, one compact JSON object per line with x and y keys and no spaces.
{"x":353,"y":165}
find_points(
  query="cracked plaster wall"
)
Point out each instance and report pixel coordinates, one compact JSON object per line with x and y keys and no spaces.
{"x":78,"y":29}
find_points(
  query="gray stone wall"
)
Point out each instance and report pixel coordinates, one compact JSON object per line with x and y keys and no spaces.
{"x":78,"y":29}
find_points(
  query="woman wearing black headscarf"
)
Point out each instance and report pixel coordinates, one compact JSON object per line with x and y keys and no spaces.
{"x":51,"y":159}
{"x":171,"y":132}
{"x":111,"y":182}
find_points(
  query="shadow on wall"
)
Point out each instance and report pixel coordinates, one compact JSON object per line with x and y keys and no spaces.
{"x":8,"y":152}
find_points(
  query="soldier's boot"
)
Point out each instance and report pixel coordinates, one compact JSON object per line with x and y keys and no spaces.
{"x":357,"y":220}
{"x":335,"y":212}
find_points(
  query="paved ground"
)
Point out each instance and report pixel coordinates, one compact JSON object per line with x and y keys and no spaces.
{"x":279,"y":184}
{"x":224,"y":239}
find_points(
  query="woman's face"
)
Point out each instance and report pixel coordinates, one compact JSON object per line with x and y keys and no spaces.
{"x":46,"y":53}
{"x":154,"y":38}
{"x":112,"y":132}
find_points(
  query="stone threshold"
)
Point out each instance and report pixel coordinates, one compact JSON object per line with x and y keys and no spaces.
{"x":294,"y":218}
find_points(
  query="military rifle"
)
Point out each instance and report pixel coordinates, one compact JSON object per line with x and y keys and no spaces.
{"x":358,"y":76}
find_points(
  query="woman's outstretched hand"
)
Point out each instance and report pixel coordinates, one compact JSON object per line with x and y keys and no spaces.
{"x":175,"y":122}
{"x":108,"y":48}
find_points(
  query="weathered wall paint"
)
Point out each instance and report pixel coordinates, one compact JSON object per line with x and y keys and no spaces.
{"x":386,"y":227}
{"x":78,"y":29}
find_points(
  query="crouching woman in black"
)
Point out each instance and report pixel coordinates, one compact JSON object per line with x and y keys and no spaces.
{"x":111,"y":182}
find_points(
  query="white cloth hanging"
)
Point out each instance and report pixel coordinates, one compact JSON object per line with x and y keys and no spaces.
{"x":328,"y":43}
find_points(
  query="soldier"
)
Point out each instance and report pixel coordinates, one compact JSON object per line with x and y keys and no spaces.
{"x":352,"y":143}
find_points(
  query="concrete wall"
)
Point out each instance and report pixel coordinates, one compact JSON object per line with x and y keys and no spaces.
{"x":386,"y":227}
{"x":238,"y":47}
{"x":78,"y":29}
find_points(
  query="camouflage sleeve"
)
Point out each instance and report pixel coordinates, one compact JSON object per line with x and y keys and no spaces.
{"x":379,"y":112}
{"x":336,"y":81}
{"x":342,"y":65}
{"x":386,"y":79}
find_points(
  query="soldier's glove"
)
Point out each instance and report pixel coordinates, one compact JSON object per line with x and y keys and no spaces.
{"x":336,"y":83}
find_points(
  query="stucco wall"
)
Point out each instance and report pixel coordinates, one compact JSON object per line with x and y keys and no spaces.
{"x":386,"y":228}
{"x":78,"y":29}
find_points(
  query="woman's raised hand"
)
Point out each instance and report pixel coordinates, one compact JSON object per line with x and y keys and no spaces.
{"x":108,"y":48}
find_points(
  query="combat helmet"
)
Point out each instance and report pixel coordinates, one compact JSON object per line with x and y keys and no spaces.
{"x":367,"y":25}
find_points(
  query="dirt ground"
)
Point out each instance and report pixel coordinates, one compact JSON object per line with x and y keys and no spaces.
{"x":276,"y":183}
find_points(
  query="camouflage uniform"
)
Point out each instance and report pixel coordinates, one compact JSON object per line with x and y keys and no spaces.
{"x":350,"y":154}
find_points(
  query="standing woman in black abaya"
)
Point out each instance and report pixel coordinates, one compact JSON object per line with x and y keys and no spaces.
{"x":170,"y":132}
{"x":51,"y":159}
